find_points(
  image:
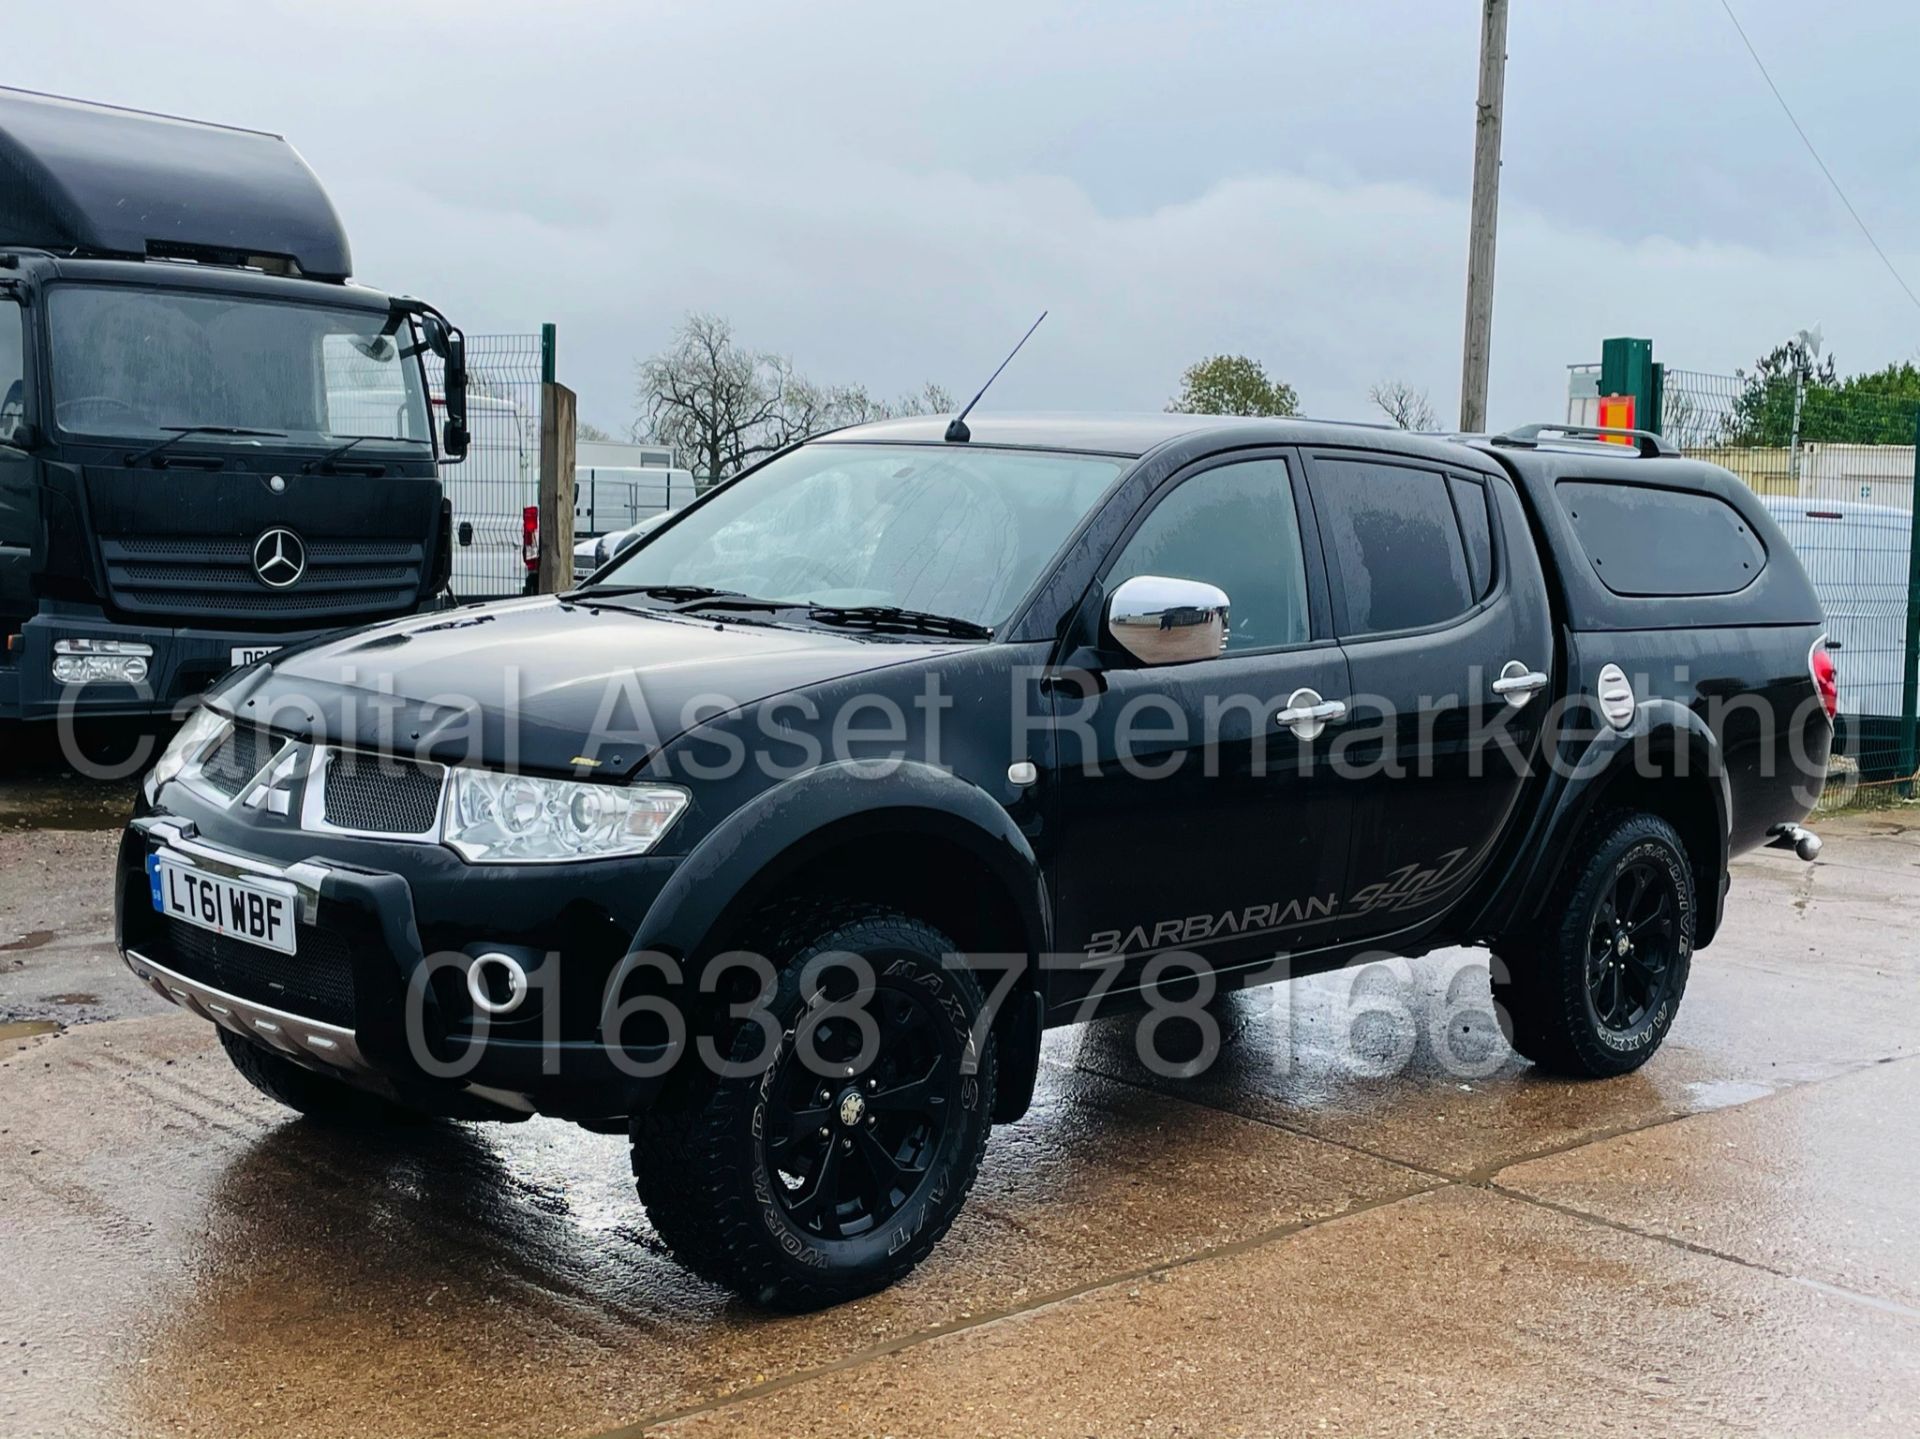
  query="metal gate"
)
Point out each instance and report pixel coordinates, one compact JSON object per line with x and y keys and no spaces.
{"x":1836,"y":467}
{"x":499,"y":480}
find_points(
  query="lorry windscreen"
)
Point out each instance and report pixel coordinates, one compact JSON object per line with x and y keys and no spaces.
{"x":959,"y":531}
{"x":136,"y":363}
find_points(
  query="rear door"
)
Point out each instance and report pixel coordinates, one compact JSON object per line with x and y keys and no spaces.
{"x":1441,"y":608}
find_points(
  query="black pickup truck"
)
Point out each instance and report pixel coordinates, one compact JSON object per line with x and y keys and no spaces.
{"x":780,"y":842}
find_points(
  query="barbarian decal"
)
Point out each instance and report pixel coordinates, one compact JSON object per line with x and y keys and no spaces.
{"x":1193,"y":931}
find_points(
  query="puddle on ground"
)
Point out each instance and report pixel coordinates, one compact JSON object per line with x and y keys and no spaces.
{"x":29,"y":1029}
{"x":82,"y":779}
{"x":1725,"y":1093}
{"x":72,"y":803}
{"x":33,"y":939}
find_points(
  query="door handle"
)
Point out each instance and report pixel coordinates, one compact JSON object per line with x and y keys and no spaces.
{"x":1307,"y":715}
{"x":1518,"y":684}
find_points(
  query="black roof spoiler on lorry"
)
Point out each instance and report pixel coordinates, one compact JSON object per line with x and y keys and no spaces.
{"x":97,"y":180}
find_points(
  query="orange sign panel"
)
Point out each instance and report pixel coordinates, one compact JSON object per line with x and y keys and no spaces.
{"x":1616,"y":413}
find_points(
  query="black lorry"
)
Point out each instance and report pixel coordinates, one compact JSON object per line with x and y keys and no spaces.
{"x":780,"y":842}
{"x":211,"y":444}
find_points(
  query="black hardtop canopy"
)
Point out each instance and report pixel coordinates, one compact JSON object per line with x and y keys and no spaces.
{"x":81,"y":178}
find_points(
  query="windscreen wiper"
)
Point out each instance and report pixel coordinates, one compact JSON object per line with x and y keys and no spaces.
{"x":331,"y":455}
{"x":672,"y":594}
{"x":180,"y":432}
{"x":892,"y":619}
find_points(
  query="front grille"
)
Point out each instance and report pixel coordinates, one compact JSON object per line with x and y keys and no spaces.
{"x":382,"y":795}
{"x":214,"y":578}
{"x":238,"y":758}
{"x":316,"y":983}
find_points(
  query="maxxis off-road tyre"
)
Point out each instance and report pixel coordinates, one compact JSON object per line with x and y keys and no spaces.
{"x":1595,"y":992}
{"x":325,"y":1101}
{"x":754,"y":1182}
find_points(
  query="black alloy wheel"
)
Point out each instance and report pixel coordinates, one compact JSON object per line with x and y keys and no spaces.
{"x":1592,"y":986}
{"x":849,"y":1147}
{"x":832,"y":1165}
{"x":1630,"y":947}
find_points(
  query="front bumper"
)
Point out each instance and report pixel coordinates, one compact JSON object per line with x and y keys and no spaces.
{"x":364,"y":1001}
{"x":183,"y":664}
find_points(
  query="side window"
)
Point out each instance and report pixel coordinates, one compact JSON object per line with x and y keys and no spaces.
{"x":1470,"y":500}
{"x":1393,"y":539}
{"x":1235,"y":527}
{"x":1644,"y":540}
{"x":13,"y":370}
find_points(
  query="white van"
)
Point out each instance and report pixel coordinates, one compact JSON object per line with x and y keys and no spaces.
{"x":491,"y":490}
{"x":1856,"y":556}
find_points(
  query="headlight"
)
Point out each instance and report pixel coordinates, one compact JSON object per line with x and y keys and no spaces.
{"x":77,"y":662}
{"x":197,"y":736}
{"x":515,"y":819}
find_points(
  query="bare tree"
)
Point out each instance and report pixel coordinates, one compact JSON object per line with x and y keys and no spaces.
{"x":1407,"y":407}
{"x":724,"y":406}
{"x":712,"y":400}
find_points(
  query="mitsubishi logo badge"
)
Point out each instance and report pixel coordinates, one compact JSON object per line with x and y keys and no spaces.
{"x":279,"y":558}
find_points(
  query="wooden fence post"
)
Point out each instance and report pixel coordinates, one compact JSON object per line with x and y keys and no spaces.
{"x":556,"y":487}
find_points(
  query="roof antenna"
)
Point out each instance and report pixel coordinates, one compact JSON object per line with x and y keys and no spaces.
{"x":957,"y":431}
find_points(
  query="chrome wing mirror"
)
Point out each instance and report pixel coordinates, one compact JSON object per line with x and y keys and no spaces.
{"x":1161,"y":621}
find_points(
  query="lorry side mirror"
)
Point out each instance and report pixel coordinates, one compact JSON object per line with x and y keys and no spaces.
{"x":454,"y":436}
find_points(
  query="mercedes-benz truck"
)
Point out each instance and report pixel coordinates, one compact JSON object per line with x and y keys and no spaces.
{"x":213,"y":444}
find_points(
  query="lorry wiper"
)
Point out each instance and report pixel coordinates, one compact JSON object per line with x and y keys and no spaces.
{"x":180,"y":432}
{"x":891,"y":619}
{"x":331,"y":455}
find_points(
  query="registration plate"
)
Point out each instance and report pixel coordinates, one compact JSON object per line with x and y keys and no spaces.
{"x":247,"y":654}
{"x":257,"y":911}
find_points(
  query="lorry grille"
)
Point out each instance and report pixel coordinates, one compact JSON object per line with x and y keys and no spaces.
{"x":316,"y":983}
{"x":214,"y":578}
{"x":380,"y":795}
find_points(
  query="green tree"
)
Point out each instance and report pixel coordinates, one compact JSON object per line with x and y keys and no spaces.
{"x":1232,"y":385}
{"x":1874,"y":408}
{"x":1877,"y":408}
{"x":1762,"y":414}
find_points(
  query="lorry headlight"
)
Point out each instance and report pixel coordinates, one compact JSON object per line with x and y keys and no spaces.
{"x":516,"y":819}
{"x":196,"y":738}
{"x":77,"y":661}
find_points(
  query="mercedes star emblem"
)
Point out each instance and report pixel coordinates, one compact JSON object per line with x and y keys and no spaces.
{"x":279,"y":558}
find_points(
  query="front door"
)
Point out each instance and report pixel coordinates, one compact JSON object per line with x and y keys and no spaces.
{"x":1440,"y":604}
{"x":1190,"y":820}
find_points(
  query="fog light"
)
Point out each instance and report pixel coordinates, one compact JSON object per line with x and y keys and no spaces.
{"x":78,"y":662}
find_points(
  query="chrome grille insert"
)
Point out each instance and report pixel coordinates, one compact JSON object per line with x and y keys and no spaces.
{"x":379,"y":796}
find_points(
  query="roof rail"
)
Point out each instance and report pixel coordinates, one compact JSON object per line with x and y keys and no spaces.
{"x":1649,"y":445}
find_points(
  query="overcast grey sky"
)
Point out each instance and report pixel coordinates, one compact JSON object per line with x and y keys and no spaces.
{"x":889,"y":192}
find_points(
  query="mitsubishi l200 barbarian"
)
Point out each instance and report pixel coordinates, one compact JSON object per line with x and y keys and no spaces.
{"x":778,"y":843}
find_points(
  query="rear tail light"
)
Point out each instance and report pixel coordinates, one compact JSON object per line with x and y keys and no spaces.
{"x":1826,"y":676}
{"x":530,"y":536}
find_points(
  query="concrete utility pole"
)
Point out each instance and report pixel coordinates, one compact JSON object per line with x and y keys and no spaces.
{"x":1486,"y":215}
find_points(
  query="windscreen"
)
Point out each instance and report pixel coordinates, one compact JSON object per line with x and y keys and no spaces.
{"x":138,"y":363}
{"x":948,"y":529}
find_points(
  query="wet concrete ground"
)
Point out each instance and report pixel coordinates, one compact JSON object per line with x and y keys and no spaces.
{"x":1368,"y":1217}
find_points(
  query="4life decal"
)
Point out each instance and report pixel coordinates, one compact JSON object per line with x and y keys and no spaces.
{"x":1410,"y":886}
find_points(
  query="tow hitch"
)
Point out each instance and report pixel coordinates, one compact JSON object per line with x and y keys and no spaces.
{"x":1803,"y":842}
